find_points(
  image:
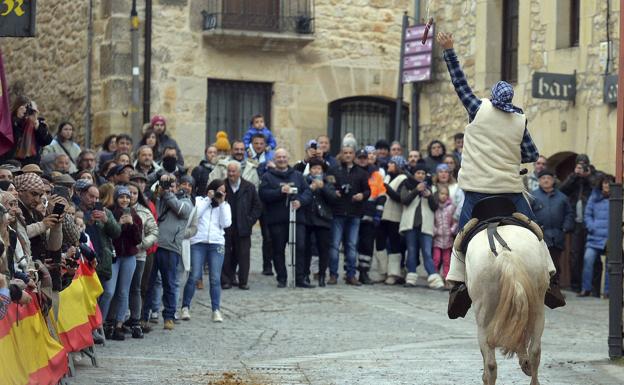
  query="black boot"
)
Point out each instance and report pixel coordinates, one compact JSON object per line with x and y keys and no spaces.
{"x":109,"y":329}
{"x":118,"y":334}
{"x":459,"y":301}
{"x":554,"y":298}
{"x":135,"y":328}
{"x":321,"y":280}
{"x":364,"y":278}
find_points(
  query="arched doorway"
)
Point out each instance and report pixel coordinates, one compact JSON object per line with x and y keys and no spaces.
{"x":368,"y":118}
{"x":562,"y":163}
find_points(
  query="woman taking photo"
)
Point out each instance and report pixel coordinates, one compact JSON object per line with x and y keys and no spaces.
{"x":124,"y":262}
{"x":30,"y":133}
{"x":64,"y":143}
{"x":208,"y":245}
{"x":149,"y":238}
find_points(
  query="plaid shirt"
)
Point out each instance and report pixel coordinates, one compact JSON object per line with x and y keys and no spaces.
{"x":5,"y":301}
{"x":528,"y":149}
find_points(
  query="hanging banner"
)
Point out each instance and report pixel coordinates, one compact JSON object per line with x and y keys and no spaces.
{"x":417,"y":57}
{"x":6,"y":127}
{"x":17,"y":18}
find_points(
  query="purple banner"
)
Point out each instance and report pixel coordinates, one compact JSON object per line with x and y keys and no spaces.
{"x":417,"y":57}
{"x":6,"y":128}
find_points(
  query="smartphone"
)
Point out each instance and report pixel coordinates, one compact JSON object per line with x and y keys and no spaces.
{"x":98,"y":206}
{"x":58,"y":209}
{"x":126,"y":211}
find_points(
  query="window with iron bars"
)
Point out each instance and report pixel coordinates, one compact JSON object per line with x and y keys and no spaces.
{"x":231,"y":104}
{"x":295,"y":16}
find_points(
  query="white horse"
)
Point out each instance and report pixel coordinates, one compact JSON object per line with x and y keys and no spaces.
{"x":508,"y":297}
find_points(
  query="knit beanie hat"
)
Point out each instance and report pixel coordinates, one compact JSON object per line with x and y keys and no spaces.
{"x":420,"y":166}
{"x":82,"y":184}
{"x":121,"y":190}
{"x":222,"y":143}
{"x":349,"y":141}
{"x":158,"y":119}
{"x":442,"y":167}
{"x":398,"y":160}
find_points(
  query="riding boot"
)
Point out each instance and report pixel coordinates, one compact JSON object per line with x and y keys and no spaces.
{"x":554,"y":298}
{"x":459,"y":301}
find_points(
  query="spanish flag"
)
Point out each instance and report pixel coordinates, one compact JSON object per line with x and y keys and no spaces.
{"x":28,"y":353}
{"x":78,"y":313}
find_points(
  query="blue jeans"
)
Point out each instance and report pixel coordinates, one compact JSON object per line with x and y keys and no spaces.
{"x":106,"y":298}
{"x":348,"y":227}
{"x":471,"y":199}
{"x":200,"y":253}
{"x":126,"y":266}
{"x":165,"y":263}
{"x":588,"y":269}
{"x":418,"y":241}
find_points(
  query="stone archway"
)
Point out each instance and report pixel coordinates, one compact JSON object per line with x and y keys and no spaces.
{"x":562,"y":163}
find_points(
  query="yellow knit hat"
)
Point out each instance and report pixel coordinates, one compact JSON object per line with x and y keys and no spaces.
{"x":222,"y":143}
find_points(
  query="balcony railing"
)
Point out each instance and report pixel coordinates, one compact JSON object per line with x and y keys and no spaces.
{"x":276,"y":16}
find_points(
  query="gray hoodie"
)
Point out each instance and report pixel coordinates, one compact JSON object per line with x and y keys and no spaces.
{"x":173,"y":214}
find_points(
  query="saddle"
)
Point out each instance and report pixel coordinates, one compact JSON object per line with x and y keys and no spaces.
{"x":489,"y":213}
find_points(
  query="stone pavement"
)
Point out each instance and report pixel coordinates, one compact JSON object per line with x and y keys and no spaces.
{"x":346,"y":335}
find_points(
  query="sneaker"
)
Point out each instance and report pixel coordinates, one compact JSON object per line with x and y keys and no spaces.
{"x":169,"y":324}
{"x":185,"y":314}
{"x":216,"y":316}
{"x":145,"y":327}
{"x":137,"y":332}
{"x":332,"y":280}
{"x":153,"y":317}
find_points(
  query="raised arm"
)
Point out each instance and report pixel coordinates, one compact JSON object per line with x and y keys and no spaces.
{"x":458,"y":78}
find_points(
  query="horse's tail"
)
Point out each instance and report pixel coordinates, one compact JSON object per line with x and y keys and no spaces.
{"x":514,"y":318}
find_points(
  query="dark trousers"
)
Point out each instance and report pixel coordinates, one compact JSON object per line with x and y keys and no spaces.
{"x":267,"y":245}
{"x":317,"y":240}
{"x":279,"y":238}
{"x":577,"y":251}
{"x":366,"y":244}
{"x":555,"y":255}
{"x":388,"y":237}
{"x":236,"y":255}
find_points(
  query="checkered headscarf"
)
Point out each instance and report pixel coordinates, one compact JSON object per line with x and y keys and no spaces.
{"x":29,"y":181}
{"x":502,"y":95}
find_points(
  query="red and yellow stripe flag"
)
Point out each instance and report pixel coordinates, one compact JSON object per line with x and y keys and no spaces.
{"x":28,"y":353}
{"x":78,"y":312}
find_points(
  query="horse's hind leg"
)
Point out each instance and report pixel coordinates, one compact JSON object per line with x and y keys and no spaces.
{"x":489,"y":358}
{"x":523,"y":360}
{"x":535,"y":347}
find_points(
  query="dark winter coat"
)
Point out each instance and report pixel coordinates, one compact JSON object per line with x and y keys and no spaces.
{"x":576,"y":188}
{"x":42,"y":139}
{"x":201,"y":173}
{"x":246,"y":207}
{"x":554,"y":213}
{"x":131,"y":234}
{"x":597,"y":220}
{"x":276,"y":202}
{"x":319,"y":212}
{"x":355,"y":180}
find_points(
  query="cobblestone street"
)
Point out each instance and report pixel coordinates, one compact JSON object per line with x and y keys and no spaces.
{"x":345,"y":335}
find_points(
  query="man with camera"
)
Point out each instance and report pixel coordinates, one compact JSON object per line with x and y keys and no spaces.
{"x":174,"y":207}
{"x":578,"y":187}
{"x":352,"y":190}
{"x":281,"y":187}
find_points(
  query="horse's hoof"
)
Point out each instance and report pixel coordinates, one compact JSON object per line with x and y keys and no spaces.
{"x":525,"y":365}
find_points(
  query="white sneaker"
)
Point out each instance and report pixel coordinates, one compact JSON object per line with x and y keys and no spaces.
{"x":216,"y":316}
{"x":185,"y":314}
{"x":153,"y":317}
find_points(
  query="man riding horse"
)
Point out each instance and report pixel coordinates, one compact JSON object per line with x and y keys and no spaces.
{"x":496,"y":143}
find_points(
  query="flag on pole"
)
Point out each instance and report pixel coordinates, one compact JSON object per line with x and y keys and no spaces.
{"x":6,"y":127}
{"x":78,"y":313}
{"x":28,"y":353}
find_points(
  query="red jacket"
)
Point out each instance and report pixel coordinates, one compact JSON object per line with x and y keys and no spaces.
{"x":131,"y":234}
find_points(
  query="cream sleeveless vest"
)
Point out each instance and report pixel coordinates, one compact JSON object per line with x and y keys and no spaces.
{"x":491,"y":156}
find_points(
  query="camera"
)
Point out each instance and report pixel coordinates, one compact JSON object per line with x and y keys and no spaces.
{"x":314,"y":146}
{"x":30,"y":110}
{"x":293,"y":190}
{"x":218,"y":194}
{"x":345,"y":189}
{"x":165,"y":184}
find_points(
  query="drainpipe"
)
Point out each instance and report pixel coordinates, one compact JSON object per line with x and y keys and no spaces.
{"x":399,"y":98}
{"x":416,"y":95}
{"x":87,"y":117}
{"x":147,"y":63}
{"x":136,"y":81}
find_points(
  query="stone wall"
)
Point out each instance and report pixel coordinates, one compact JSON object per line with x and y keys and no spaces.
{"x":50,"y":68}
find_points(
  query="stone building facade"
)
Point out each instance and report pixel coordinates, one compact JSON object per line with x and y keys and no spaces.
{"x":334,"y":69}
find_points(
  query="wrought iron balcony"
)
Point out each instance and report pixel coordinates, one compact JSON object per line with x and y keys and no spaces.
{"x":270,"y":24}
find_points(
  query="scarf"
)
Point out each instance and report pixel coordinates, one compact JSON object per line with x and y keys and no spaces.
{"x":502,"y":95}
{"x":26,"y":146}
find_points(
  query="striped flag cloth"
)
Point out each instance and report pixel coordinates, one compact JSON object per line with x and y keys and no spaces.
{"x":28,"y":353}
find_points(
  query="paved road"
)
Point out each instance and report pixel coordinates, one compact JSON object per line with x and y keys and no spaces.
{"x":345,"y":335}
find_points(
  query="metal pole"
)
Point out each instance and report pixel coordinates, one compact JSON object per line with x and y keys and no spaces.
{"x":614,"y":256}
{"x":147,"y":63}
{"x":399,"y":99}
{"x":416,"y":95}
{"x":87,"y":117}
{"x":292,"y":242}
{"x":136,"y":81}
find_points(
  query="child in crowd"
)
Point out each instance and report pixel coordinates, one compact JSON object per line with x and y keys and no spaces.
{"x":444,"y":229}
{"x":257,"y":127}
